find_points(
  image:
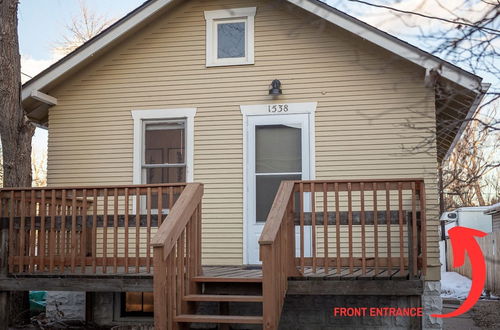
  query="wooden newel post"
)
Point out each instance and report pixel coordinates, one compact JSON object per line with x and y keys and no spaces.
{"x":268,"y":287}
{"x":160,"y":288}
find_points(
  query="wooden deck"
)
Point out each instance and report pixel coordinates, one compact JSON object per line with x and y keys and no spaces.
{"x":367,"y":237}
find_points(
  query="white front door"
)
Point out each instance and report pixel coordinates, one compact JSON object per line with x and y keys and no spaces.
{"x":278,"y":148}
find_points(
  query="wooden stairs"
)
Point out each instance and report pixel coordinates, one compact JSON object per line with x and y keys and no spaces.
{"x":229,"y":284}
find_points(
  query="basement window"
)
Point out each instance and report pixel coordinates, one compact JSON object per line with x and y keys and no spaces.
{"x":137,"y":304}
{"x":230,"y":36}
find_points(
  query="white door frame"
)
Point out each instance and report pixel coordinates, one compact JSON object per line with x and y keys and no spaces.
{"x":282,"y":109}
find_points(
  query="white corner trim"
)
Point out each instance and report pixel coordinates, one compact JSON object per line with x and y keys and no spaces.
{"x":274,"y":109}
{"x":213,"y":17}
{"x":140,"y":115}
{"x":44,"y":98}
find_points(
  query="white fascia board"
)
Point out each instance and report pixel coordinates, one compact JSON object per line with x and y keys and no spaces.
{"x":392,"y":44}
{"x":96,"y":46}
{"x":44,"y":98}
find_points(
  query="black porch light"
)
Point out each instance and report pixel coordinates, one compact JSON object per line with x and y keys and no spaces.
{"x":275,"y":88}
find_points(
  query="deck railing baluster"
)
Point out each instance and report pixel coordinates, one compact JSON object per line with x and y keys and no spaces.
{"x":137,"y":228}
{"x":115,"y":230}
{"x":325,"y":227}
{"x":414,"y":230}
{"x":84,"y":238}
{"x":95,"y":196}
{"x":313,"y":226}
{"x":73,"y":230}
{"x":337,"y":226}
{"x":388,"y":225}
{"x":400,"y":217}
{"x":126,"y":211}
{"x":363,"y":234}
{"x":32,"y":232}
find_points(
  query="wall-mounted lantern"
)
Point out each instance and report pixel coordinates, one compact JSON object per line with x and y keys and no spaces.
{"x":275,"y":88}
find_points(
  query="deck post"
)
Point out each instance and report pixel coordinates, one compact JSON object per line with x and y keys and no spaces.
{"x":159,"y":288}
{"x":268,"y":288}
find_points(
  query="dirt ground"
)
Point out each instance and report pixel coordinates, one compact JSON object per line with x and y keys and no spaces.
{"x":484,"y":315}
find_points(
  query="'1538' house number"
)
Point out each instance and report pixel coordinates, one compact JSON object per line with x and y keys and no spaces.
{"x":277,"y":108}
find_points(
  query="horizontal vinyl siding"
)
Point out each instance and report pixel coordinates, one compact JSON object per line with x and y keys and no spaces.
{"x":366,"y":101}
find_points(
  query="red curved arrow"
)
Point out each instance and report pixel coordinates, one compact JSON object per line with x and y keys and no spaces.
{"x":462,"y":241}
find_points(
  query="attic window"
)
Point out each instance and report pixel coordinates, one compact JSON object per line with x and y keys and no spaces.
{"x":230,"y":36}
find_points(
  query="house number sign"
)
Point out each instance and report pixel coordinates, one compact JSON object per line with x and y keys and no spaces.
{"x":277,"y":108}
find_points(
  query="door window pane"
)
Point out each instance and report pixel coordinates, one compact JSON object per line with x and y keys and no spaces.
{"x":164,"y":143}
{"x":231,"y":40}
{"x":266,"y":189}
{"x":278,"y":149}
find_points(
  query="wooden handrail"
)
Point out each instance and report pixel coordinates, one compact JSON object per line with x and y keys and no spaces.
{"x":119,"y":186}
{"x":277,"y":253}
{"x":176,"y":221}
{"x":177,"y":257}
{"x":393,"y":210}
{"x":277,"y":213}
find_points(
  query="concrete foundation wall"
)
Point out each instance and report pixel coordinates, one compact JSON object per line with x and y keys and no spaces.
{"x":316,"y":312}
{"x":311,"y":312}
{"x":65,"y":305}
{"x":432,"y":304}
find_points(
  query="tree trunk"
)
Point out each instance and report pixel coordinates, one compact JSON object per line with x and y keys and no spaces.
{"x":16,"y":132}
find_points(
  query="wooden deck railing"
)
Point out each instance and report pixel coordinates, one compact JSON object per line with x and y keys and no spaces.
{"x":356,"y":226}
{"x":177,"y":257}
{"x":105,"y":229}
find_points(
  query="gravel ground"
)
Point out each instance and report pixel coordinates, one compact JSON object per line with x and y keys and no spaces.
{"x":484,"y":315}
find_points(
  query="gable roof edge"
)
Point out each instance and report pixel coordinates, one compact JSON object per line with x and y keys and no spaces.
{"x":316,"y":7}
{"x":102,"y":40}
{"x":391,"y":43}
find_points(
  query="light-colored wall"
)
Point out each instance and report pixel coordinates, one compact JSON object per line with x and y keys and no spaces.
{"x":366,"y":98}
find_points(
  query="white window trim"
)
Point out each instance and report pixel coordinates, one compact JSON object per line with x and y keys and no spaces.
{"x":308,"y":108}
{"x":162,"y":114}
{"x":237,"y":14}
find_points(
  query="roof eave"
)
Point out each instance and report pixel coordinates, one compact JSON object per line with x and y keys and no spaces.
{"x":470,"y":114}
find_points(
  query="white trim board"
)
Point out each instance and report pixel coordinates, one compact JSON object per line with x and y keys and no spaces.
{"x":308,"y":108}
{"x":214,"y":17}
{"x":140,"y":115}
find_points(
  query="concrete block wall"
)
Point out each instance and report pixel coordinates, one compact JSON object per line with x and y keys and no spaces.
{"x":316,"y":312}
{"x":65,"y":305}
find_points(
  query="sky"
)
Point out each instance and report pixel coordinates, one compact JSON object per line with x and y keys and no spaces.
{"x":42,"y":27}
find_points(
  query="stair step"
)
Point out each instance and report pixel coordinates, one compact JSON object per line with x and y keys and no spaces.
{"x":226,"y":298}
{"x":227,"y":279}
{"x":234,"y":319}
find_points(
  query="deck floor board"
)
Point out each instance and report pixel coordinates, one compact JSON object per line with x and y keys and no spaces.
{"x":233,"y":272}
